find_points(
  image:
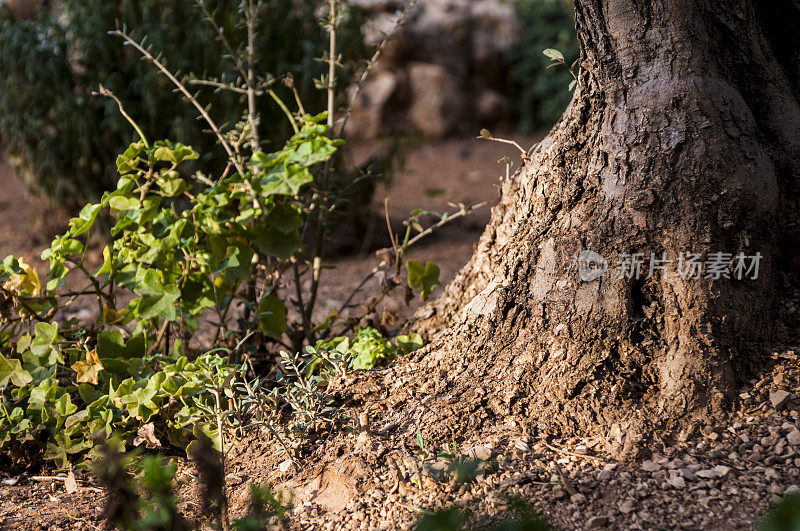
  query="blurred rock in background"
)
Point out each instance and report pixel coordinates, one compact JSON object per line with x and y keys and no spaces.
{"x":24,"y":9}
{"x":444,"y":71}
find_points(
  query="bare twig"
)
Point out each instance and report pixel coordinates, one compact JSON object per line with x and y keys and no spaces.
{"x":574,"y":454}
{"x":223,"y":86}
{"x":332,"y":5}
{"x":180,"y":86}
{"x":444,"y":221}
{"x":251,"y":18}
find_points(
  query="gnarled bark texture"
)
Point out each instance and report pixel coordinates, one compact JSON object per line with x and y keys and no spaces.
{"x":683,"y":136}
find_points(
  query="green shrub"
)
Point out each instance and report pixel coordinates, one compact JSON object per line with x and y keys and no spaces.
{"x":241,"y":249}
{"x":64,"y":142}
{"x":541,"y":95}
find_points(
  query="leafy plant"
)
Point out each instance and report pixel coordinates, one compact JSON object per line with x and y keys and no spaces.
{"x":242,"y":249}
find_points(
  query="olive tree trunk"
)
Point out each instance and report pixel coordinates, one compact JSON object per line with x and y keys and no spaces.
{"x":683,"y":136}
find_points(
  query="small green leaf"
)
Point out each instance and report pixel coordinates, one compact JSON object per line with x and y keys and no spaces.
{"x":156,"y":300}
{"x":422,"y":278}
{"x":408,"y":343}
{"x":272,"y":317}
{"x":171,"y":184}
{"x":11,"y":371}
{"x":85,"y":219}
{"x":175,"y":153}
{"x":553,"y":54}
{"x":486,"y":134}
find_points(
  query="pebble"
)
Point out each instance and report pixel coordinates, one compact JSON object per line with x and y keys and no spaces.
{"x":650,"y":466}
{"x":626,"y":507}
{"x":779,"y":398}
{"x":678,"y":482}
{"x":793,"y":437}
{"x":596,"y":521}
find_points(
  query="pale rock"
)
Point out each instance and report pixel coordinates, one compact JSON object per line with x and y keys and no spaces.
{"x":650,"y":466}
{"x":577,"y":498}
{"x":596,"y":521}
{"x":779,"y":398}
{"x":626,"y":507}
{"x":677,"y":482}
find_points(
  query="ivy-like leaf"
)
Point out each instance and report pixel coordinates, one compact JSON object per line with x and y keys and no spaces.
{"x":89,"y":368}
{"x":156,"y":300}
{"x":422,"y":278}
{"x":175,"y":153}
{"x":272,"y":317}
{"x":11,"y":371}
{"x":85,"y":219}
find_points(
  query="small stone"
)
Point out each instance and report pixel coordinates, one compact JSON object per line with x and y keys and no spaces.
{"x":722,"y":470}
{"x":708,"y":474}
{"x":677,"y":482}
{"x":793,"y":437}
{"x":792,"y":489}
{"x":650,"y":466}
{"x":482,"y":452}
{"x":232,"y":480}
{"x":596,"y":521}
{"x":604,"y":475}
{"x":577,"y":498}
{"x":779,"y":398}
{"x":626,"y":507}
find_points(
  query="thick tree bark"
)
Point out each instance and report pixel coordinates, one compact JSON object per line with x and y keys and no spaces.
{"x":683,"y":136}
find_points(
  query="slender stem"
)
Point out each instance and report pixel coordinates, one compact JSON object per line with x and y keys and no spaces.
{"x":459,"y":214}
{"x":252,"y":18}
{"x":223,"y":86}
{"x":224,"y":40}
{"x":105,"y":92}
{"x":504,"y":141}
{"x":332,"y":61}
{"x":180,"y":86}
{"x":300,"y":305}
{"x":285,"y":110}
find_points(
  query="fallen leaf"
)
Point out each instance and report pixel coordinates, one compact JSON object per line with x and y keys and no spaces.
{"x":70,"y":484}
{"x":147,"y":435}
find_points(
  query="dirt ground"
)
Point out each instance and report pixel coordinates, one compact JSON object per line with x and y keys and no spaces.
{"x":724,"y":475}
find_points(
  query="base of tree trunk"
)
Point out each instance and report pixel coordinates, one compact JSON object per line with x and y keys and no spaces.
{"x":670,"y":151}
